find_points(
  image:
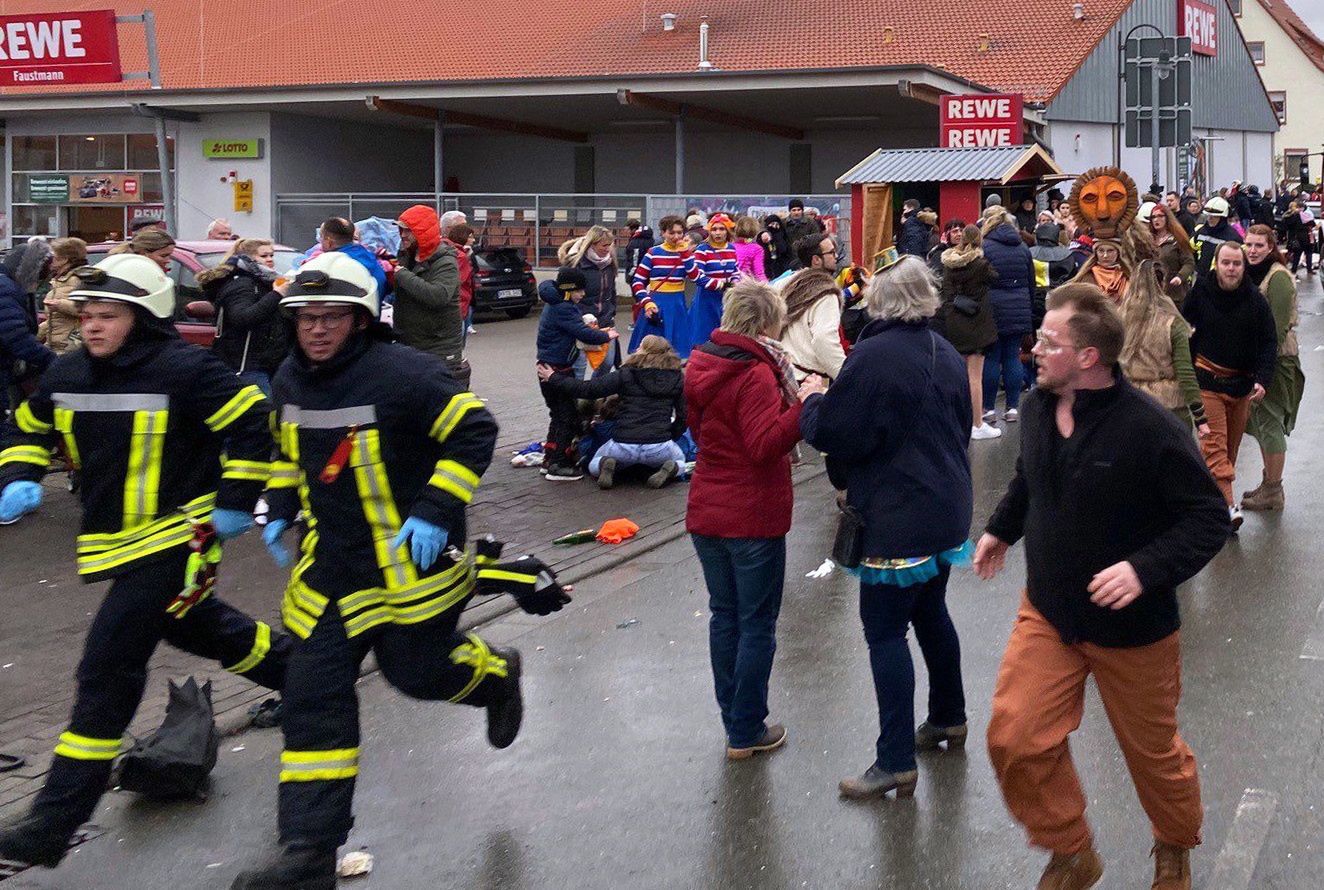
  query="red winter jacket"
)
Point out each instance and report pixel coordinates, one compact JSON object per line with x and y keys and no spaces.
{"x":745,"y":427}
{"x":467,"y":283}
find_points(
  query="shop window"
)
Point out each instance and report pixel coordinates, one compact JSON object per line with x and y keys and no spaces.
{"x":150,"y":183}
{"x":1278,"y":98}
{"x":34,"y":152}
{"x":92,"y":152}
{"x":142,"y":151}
{"x":36,"y":219}
{"x":1256,"y":48}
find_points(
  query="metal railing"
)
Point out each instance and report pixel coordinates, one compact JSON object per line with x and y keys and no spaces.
{"x":536,"y":223}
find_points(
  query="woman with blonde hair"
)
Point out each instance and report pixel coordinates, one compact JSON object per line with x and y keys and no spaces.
{"x":650,"y":416}
{"x":61,"y":324}
{"x":594,"y":254}
{"x":895,"y":427}
{"x":154,"y":244}
{"x":250,"y":333}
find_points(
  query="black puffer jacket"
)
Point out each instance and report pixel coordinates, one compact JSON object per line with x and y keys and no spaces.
{"x":250,"y":334}
{"x":652,"y":408}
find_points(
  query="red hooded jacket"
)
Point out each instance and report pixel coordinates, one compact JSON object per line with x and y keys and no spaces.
{"x":745,"y":427}
{"x":467,"y":283}
{"x":423,"y":222}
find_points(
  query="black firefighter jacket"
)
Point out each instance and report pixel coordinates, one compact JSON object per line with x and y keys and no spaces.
{"x":380,"y":433}
{"x":164,"y":433}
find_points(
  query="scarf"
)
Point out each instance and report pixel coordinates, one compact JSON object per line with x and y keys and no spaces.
{"x":262,"y":273}
{"x":1113,"y":281}
{"x":790,"y":388}
{"x":596,"y":259}
{"x":1257,"y":273}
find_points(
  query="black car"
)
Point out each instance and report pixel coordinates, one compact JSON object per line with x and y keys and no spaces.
{"x":504,"y":282}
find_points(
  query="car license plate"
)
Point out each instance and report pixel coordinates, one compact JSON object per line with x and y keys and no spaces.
{"x":512,"y":292}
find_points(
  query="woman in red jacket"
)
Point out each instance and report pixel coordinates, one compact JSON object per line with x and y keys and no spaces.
{"x":744,"y":413}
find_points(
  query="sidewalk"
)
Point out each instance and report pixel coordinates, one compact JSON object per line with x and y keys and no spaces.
{"x":48,"y":610}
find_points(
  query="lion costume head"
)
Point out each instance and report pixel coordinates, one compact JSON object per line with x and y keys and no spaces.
{"x":1104,"y":202}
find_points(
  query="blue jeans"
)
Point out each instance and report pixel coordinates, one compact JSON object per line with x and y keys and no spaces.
{"x":745,"y":577}
{"x":625,"y":454}
{"x":1002,"y":361}
{"x":886,"y":612}
{"x":260,"y":379}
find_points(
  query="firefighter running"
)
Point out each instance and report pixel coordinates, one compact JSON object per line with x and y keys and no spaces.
{"x":382,"y":450}
{"x":173,"y":448}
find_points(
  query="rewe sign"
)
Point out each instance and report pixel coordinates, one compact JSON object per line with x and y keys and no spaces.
{"x":59,"y":47}
{"x":1198,"y":20}
{"x":981,"y":121}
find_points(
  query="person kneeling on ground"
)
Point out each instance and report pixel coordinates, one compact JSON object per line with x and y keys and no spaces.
{"x":561,"y":327}
{"x":650,"y":418}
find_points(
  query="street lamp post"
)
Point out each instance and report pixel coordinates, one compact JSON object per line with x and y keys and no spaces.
{"x":1163,"y":69}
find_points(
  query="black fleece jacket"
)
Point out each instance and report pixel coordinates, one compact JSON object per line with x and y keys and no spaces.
{"x":1233,"y":329}
{"x":1128,"y":485}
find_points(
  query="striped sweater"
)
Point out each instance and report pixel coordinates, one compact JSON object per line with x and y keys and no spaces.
{"x":715,"y":267}
{"x":661,"y":270}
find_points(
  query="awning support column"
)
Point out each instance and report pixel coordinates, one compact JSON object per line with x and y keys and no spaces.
{"x":438,"y":168}
{"x":680,"y":150}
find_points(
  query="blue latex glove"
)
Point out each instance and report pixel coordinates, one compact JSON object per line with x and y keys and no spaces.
{"x":231,"y":523}
{"x":425,"y":541}
{"x":271,"y":537}
{"x":19,"y":498}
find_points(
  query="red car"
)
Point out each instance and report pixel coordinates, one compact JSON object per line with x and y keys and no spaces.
{"x":190,"y":258}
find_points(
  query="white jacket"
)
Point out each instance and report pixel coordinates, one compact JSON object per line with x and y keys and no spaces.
{"x":813,"y":340}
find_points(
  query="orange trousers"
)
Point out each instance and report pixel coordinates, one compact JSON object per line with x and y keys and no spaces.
{"x":1038,"y":703}
{"x":1227,"y":417}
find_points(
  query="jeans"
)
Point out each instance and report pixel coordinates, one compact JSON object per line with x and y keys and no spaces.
{"x":625,"y":454}
{"x":744,"y":577}
{"x":260,"y":379}
{"x":886,"y":611}
{"x":1002,"y":362}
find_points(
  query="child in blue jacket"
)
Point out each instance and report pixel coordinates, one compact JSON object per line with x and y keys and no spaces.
{"x":560,"y":329}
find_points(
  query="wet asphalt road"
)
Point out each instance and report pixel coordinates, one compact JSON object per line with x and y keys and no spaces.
{"x":619,"y":777}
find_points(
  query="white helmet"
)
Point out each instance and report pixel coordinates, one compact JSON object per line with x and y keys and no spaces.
{"x":127,"y":278}
{"x":1216,"y":206}
{"x":1146,"y":211}
{"x":333,"y":277}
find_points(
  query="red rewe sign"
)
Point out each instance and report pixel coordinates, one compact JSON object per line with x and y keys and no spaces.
{"x":981,"y":121}
{"x":1198,"y":20}
{"x":58,"y":48}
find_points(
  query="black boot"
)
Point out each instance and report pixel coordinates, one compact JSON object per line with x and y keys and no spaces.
{"x":34,"y":841}
{"x":296,"y":868}
{"x":505,"y":710}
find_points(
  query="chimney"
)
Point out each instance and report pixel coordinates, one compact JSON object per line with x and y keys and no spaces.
{"x":668,"y":21}
{"x":704,"y":64}
{"x":1078,"y":11}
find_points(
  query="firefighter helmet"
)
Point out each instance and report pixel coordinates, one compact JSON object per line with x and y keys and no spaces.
{"x":333,"y":277}
{"x":127,"y":278}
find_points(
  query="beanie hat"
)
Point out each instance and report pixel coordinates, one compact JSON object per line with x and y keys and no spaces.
{"x":794,"y":203}
{"x":992,"y":201}
{"x":569,"y":280}
{"x":721,"y":219}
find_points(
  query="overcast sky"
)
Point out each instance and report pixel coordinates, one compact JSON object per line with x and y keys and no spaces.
{"x":1313,"y":13}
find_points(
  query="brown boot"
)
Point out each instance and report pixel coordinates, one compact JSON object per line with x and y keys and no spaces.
{"x":1254,"y":492}
{"x":1072,"y":871}
{"x":1172,"y":867}
{"x":1268,"y":496}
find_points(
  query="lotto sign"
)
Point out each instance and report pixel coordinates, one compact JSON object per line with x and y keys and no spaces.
{"x":983,"y":121}
{"x":1198,"y":20}
{"x":58,"y":48}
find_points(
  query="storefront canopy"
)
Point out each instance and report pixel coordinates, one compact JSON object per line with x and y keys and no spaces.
{"x":1002,"y":165}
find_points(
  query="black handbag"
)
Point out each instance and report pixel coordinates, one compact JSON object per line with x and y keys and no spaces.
{"x":848,"y":545}
{"x":967,"y":306}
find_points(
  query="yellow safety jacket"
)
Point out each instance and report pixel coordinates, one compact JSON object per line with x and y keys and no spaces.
{"x":380,"y":433}
{"x":163,"y":432}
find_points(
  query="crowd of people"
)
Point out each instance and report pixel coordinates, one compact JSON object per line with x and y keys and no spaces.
{"x":1137,"y":339}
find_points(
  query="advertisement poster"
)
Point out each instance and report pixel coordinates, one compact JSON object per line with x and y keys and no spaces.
{"x":104,"y":188}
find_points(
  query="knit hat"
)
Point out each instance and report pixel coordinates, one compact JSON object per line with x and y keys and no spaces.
{"x":992,"y":201}
{"x":794,"y":203}
{"x":570,"y":280}
{"x":721,"y":219}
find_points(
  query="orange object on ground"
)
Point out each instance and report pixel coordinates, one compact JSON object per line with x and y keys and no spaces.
{"x":614,"y":531}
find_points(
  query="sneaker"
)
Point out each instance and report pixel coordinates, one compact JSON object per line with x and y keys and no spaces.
{"x":607,"y":473}
{"x":664,"y":474}
{"x":985,"y":431}
{"x":1077,"y":871}
{"x":1011,"y":415}
{"x":1234,"y":513}
{"x":564,"y":474}
{"x":774,"y":736}
{"x":991,"y":416}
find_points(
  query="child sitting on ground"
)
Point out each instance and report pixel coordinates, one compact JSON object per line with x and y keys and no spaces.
{"x":560,"y":329}
{"x":649,"y":418}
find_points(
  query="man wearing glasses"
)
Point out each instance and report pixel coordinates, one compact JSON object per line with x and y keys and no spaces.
{"x":1117,"y":509}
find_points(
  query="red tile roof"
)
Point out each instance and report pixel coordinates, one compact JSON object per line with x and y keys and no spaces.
{"x":1296,"y":29}
{"x":1032,"y":47}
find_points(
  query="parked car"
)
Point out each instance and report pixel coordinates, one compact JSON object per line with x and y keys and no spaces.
{"x":505,"y":282}
{"x":195,"y":322}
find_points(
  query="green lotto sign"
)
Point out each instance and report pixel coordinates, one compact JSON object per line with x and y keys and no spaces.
{"x":231,"y":149}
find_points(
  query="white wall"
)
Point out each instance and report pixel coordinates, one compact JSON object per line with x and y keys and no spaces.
{"x":201,"y":196}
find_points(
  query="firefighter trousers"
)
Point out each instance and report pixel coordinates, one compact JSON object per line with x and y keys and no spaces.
{"x":429,"y":661}
{"x":112,"y":675}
